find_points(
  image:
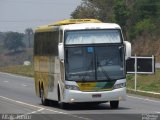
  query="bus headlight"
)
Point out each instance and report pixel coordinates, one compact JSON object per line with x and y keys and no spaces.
{"x":71,"y":87}
{"x":120,"y":85}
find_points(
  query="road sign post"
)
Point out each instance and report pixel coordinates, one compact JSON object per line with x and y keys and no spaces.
{"x":135,"y":67}
{"x":140,"y":65}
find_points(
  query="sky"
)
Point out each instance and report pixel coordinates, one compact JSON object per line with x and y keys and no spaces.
{"x":17,"y":15}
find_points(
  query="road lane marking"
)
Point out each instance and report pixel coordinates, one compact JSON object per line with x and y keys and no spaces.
{"x":145,"y":99}
{"x":36,"y":111}
{"x":13,"y":75}
{"x":20,"y":116}
{"x":80,"y":117}
{"x":55,"y":111}
{"x":23,"y":103}
{"x":20,"y":102}
{"x":24,"y":85}
{"x":5,"y":81}
{"x":68,"y":114}
{"x":42,"y":108}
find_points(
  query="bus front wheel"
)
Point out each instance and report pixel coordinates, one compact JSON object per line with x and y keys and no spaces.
{"x":62,"y":105}
{"x":114,"y":104}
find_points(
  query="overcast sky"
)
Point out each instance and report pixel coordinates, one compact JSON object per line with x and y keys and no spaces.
{"x":17,"y":15}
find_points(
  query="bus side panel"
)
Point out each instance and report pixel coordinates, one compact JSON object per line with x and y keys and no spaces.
{"x":47,"y":64}
{"x":54,"y":77}
{"x":36,"y":74}
{"x":54,"y":67}
{"x":41,"y":74}
{"x":44,"y":71}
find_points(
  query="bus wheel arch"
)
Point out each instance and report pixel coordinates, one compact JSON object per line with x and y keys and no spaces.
{"x":44,"y":101}
{"x":58,"y":93}
{"x":62,"y":105}
{"x":39,"y":89}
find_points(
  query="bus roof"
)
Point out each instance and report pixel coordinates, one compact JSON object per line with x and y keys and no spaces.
{"x":75,"y":24}
{"x":75,"y":21}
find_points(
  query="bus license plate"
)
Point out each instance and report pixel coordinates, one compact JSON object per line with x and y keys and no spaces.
{"x":96,"y":95}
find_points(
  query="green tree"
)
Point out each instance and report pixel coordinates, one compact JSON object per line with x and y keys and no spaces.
{"x":121,"y":15}
{"x":86,"y":10}
{"x":29,"y":36}
{"x":134,"y":16}
{"x":145,"y":25}
{"x":98,"y":9}
{"x":13,"y":41}
{"x":144,"y":18}
{"x":145,"y":9}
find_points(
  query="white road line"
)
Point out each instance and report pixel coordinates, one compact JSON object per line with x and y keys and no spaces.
{"x":5,"y":81}
{"x":20,"y":116}
{"x":13,"y":75}
{"x":41,"y":108}
{"x":19,"y":102}
{"x":80,"y":117}
{"x":69,"y":114}
{"x":36,"y":111}
{"x":56,"y":111}
{"x":24,"y":85}
{"x":143,"y":99}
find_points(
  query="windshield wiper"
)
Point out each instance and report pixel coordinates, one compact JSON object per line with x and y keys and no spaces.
{"x":87,"y":72}
{"x":103,"y":71}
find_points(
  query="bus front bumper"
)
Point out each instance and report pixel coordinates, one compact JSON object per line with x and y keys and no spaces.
{"x":71,"y":96}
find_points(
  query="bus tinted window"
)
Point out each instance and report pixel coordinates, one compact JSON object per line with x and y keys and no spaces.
{"x":46,"y":43}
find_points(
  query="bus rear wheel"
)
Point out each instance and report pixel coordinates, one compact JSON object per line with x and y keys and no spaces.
{"x":114,"y":104}
{"x":44,"y":101}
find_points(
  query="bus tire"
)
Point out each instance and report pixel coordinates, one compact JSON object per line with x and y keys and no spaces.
{"x":114,"y":104}
{"x":44,"y":101}
{"x":63,"y":105}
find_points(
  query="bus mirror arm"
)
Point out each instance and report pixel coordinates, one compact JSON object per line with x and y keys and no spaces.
{"x":61,"y":51}
{"x":127,"y":49}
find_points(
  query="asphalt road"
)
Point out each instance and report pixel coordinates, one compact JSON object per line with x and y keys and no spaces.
{"x":18,"y":101}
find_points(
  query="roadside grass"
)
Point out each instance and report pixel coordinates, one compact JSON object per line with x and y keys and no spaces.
{"x":157,"y":58}
{"x":145,"y":82}
{"x":143,"y":94}
{"x":20,"y":70}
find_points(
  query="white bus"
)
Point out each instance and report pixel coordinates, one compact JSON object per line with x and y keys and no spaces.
{"x":80,"y":60}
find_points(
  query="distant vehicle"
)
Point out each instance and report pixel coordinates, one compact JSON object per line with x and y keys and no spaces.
{"x":80,"y":60}
{"x":26,"y":63}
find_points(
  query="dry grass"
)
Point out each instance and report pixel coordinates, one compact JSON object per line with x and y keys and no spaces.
{"x":21,"y":70}
{"x":145,"y":82}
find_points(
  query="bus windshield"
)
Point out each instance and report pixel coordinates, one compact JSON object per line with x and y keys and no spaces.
{"x":92,"y":36}
{"x":94,"y":63}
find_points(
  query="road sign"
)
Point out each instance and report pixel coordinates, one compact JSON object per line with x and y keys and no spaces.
{"x":144,"y":65}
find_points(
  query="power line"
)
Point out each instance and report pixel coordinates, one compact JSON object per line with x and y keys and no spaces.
{"x":23,"y":21}
{"x":38,"y":2}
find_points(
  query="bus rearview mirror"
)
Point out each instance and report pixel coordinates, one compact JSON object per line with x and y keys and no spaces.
{"x":127,"y":49}
{"x":61,"y":51}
